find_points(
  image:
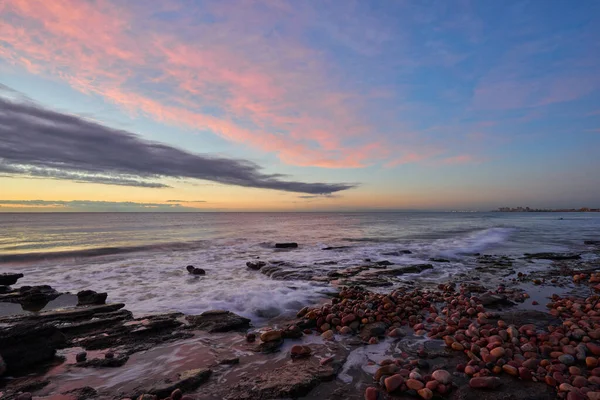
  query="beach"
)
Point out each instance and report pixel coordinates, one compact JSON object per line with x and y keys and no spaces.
{"x":315,"y":305}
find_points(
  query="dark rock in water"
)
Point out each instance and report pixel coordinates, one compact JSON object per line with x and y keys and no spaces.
{"x":195,"y":271}
{"x":270,"y":346}
{"x":293,"y":380}
{"x":592,"y":242}
{"x":489,"y":299}
{"x":9,"y":279}
{"x":384,"y":263}
{"x":440,"y":260}
{"x":523,"y":317}
{"x":397,"y":253}
{"x":25,"y":396}
{"x":410,"y":269}
{"x":255,"y":265}
{"x":89,"y":297}
{"x":81,"y":356}
{"x":553,"y":256}
{"x":83,"y":393}
{"x":336,"y":248}
{"x":186,"y":381}
{"x":375,"y":329}
{"x":218,"y":321}
{"x":31,"y":298}
{"x":25,"y":346}
{"x":290,"y":245}
{"x":107,"y":362}
{"x":72,"y":314}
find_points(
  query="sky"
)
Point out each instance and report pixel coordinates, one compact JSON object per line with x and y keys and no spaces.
{"x":298,"y":105}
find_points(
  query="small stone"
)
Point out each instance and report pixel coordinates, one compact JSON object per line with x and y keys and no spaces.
{"x":414,"y":384}
{"x":593,"y":395}
{"x":81,"y":356}
{"x":580,"y":381}
{"x":328,"y":335}
{"x":110,"y":355}
{"x":565,"y":387}
{"x":270,"y":336}
{"x":509,"y":369}
{"x":594,"y":348}
{"x":373,"y":340}
{"x":24,"y":396}
{"x":371,"y":393}
{"x":385,"y":370}
{"x":442,"y":376}
{"x":147,"y":397}
{"x":299,"y":351}
{"x":567,"y":359}
{"x":393,"y":382}
{"x":457,"y":346}
{"x":176,"y":394}
{"x":425,"y":393}
{"x":485,"y":382}
{"x":591,"y":362}
{"x":498,"y":352}
{"x":250,"y":337}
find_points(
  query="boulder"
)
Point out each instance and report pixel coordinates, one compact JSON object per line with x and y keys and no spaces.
{"x":255,"y":265}
{"x":25,"y":346}
{"x":89,"y":297}
{"x":8,"y":279}
{"x":289,"y":245}
{"x":195,"y":271}
{"x":218,"y":321}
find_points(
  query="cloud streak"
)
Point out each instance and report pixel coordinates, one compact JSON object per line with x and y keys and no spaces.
{"x":40,"y":142}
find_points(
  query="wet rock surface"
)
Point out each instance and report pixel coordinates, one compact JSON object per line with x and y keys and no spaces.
{"x":218,"y":321}
{"x":479,"y":336}
{"x":8,"y":279}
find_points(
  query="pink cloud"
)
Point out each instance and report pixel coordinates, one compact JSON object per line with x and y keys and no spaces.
{"x":273,"y":93}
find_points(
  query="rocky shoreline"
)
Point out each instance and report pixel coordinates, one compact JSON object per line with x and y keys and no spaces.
{"x":494,"y":334}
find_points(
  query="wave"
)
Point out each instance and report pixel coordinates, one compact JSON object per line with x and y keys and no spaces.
{"x":98,"y":251}
{"x":475,"y":242}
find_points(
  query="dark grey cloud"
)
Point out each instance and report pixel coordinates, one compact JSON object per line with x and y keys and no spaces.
{"x":38,"y":142}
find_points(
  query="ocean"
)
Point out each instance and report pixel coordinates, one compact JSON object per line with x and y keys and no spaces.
{"x":140,"y":258}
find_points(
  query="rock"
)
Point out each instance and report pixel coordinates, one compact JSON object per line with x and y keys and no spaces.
{"x":176,"y":394}
{"x":592,"y":242}
{"x":393,"y":382}
{"x":553,"y":256}
{"x":89,"y":297}
{"x":106,"y":362}
{"x":82,"y":393}
{"x":218,"y":321}
{"x":299,"y":351}
{"x":490,"y":299}
{"x":187,"y":381}
{"x":195,"y":271}
{"x":498,"y":352}
{"x":25,"y":346}
{"x":291,"y":380}
{"x":439,"y":260}
{"x":270,"y":336}
{"x":414,"y":384}
{"x":24,"y":396}
{"x":81,"y":356}
{"x":147,"y":397}
{"x":593,"y":395}
{"x":2,"y":366}
{"x":371,"y":393}
{"x":509,"y":369}
{"x":255,"y":265}
{"x":567,"y":359}
{"x":374,"y":329}
{"x":290,"y":245}
{"x":485,"y":382}
{"x":390,"y":369}
{"x":250,"y":337}
{"x":8,"y":279}
{"x":328,"y":335}
{"x":594,"y":348}
{"x":442,"y":376}
{"x":425,"y":393}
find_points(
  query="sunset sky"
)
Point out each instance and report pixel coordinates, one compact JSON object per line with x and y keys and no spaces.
{"x":299,"y":105}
